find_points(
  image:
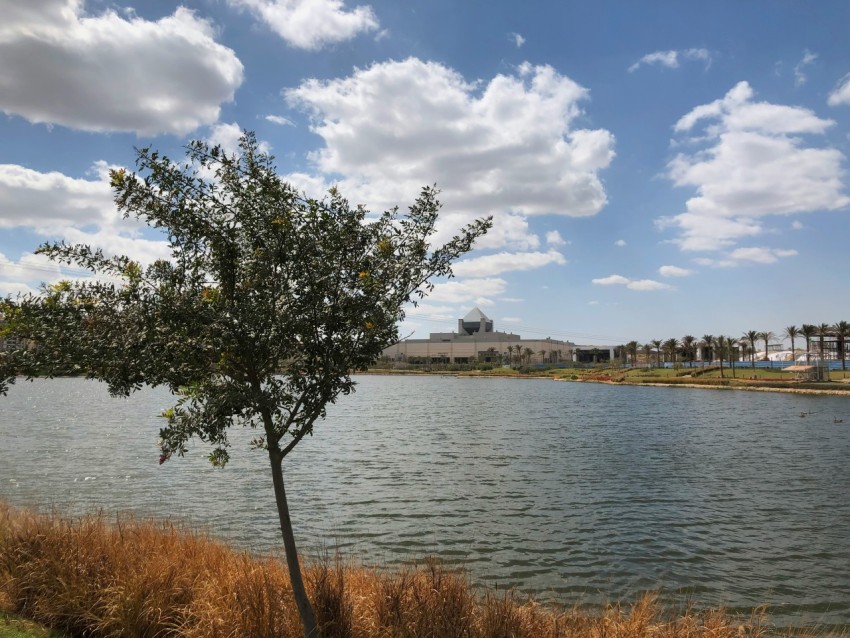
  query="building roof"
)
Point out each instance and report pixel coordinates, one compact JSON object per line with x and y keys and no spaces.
{"x":475,"y":315}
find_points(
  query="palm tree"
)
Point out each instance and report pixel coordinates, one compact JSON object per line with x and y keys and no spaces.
{"x":823,"y":330}
{"x":631,"y":351}
{"x":708,"y":347}
{"x":688,"y":348}
{"x":670,"y":346}
{"x":721,"y":347}
{"x":842,"y":331}
{"x":647,"y":353}
{"x":731,"y":343}
{"x":808,"y":331}
{"x":542,"y":354}
{"x":791,"y":332}
{"x":767,"y":336}
{"x":751,"y":336}
{"x":656,"y":343}
{"x":528,"y":352}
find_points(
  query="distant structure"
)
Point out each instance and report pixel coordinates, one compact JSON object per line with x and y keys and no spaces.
{"x":477,"y":341}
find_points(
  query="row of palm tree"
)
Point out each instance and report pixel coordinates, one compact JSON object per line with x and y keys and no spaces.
{"x":725,"y":347}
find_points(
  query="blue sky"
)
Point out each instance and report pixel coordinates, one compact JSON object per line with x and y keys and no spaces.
{"x":654,"y":169}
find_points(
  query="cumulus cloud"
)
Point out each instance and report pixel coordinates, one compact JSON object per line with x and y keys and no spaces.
{"x":517,"y":39}
{"x":841,"y":93}
{"x":227,"y":136}
{"x":671,"y":59}
{"x":56,"y":206}
{"x":752,"y":162}
{"x":740,"y":256}
{"x":620,"y":243}
{"x":553,"y":238}
{"x":278,"y":119}
{"x":311,"y":24}
{"x":509,"y":147}
{"x":632,"y":284}
{"x":761,"y":255}
{"x":477,"y":291}
{"x":674,"y":271}
{"x":506,"y":262}
{"x":112,"y":73}
{"x":800,"y":70}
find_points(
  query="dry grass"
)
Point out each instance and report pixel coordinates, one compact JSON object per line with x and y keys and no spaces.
{"x":142,"y":579}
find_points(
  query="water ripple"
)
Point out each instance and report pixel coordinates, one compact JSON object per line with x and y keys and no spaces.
{"x":581,"y":493}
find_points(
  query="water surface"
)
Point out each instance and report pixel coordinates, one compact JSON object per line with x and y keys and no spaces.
{"x":574,"y":492}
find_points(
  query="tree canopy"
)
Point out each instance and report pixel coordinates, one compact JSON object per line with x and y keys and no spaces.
{"x":268,"y":302}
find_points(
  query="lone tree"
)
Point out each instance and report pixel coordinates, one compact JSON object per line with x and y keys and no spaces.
{"x":268,"y":304}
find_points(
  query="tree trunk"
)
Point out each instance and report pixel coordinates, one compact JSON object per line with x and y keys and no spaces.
{"x":308,"y":622}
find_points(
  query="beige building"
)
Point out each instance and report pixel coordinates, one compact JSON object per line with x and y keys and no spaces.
{"x":476,"y":341}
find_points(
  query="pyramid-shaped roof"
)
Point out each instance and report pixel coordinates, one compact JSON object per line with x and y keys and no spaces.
{"x":475,"y":315}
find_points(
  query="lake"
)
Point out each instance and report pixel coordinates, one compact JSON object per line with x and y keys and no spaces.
{"x":573,"y":492}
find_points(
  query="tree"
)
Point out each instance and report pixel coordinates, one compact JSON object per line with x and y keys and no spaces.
{"x":751,"y":336}
{"x":708,"y":347}
{"x":656,"y":344}
{"x":689,"y":348}
{"x":766,"y":336}
{"x":808,"y":331}
{"x":824,"y":330}
{"x":792,"y":332}
{"x":721,"y":351}
{"x":731,"y":344}
{"x":647,"y":352}
{"x":670,"y":347}
{"x":267,"y":305}
{"x":841,"y":330}
{"x":527,"y":354}
{"x":542,"y":354}
{"x":632,"y":351}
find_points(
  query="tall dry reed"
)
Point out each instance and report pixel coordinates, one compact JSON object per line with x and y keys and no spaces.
{"x":91,"y":577}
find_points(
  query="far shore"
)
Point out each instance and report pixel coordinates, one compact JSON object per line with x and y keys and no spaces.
{"x":830,"y":388}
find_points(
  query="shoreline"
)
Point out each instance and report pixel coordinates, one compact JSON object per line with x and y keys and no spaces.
{"x":746,"y":387}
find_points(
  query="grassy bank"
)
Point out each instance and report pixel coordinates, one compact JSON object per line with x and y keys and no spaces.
{"x":743,"y":378}
{"x":129,"y":578}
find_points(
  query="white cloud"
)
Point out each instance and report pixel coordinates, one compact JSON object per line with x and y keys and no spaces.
{"x":799,"y":70}
{"x":841,"y":93}
{"x":674,"y":271}
{"x":311,"y":24}
{"x":796,"y":225}
{"x":761,"y":255}
{"x":553,"y":238}
{"x":620,"y":243}
{"x":278,"y":119}
{"x":227,"y":136}
{"x":506,"y":262}
{"x":632,"y":284}
{"x":29,"y":267}
{"x":671,"y":59}
{"x":78,"y":210}
{"x":469,"y":290}
{"x":44,"y":201}
{"x":511,"y":320}
{"x":739,"y":256}
{"x":517,"y":39}
{"x":646,"y":284}
{"x":756,"y":164}
{"x":508,"y":147}
{"x":611,"y":280}
{"x":110,"y":73}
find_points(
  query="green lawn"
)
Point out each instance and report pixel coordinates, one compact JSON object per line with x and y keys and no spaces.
{"x":12,"y":626}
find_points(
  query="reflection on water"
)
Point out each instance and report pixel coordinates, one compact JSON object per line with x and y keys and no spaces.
{"x":575,"y":492}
